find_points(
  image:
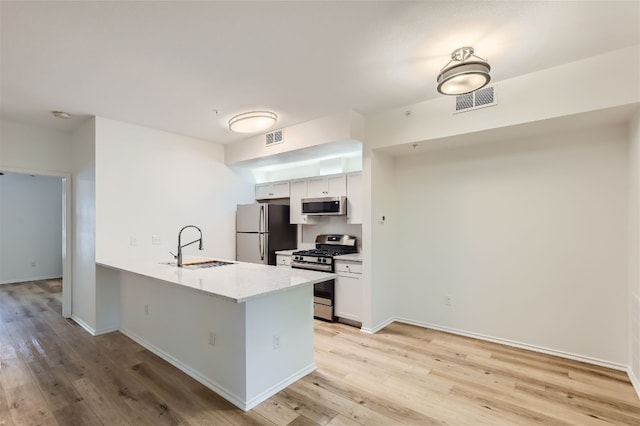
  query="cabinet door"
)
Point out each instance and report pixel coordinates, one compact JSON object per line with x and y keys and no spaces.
{"x":349,"y":297}
{"x":317,"y":187}
{"x":280,"y":190}
{"x":264,"y":191}
{"x":336,"y":185}
{"x":327,"y":186}
{"x":298,"y":191}
{"x":354,"y":198}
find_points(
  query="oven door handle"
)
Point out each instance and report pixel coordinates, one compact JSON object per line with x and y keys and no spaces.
{"x":321,"y":268}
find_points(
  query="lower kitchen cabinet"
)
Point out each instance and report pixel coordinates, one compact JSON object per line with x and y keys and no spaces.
{"x":348,"y":303}
{"x":283,"y":260}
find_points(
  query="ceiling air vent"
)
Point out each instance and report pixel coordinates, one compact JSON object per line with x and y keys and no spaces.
{"x":481,"y":98}
{"x":274,"y":138}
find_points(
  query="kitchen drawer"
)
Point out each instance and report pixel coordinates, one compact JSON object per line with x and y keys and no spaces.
{"x":283,"y":260}
{"x":349,"y":267}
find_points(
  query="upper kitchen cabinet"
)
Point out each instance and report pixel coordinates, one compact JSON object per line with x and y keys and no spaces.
{"x":298,"y":191}
{"x":354,"y":198}
{"x":327,"y":186}
{"x":270,"y":190}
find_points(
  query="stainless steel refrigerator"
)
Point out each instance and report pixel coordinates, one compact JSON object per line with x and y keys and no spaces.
{"x":261,"y":230}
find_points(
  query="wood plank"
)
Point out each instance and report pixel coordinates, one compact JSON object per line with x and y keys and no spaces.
{"x":173,"y":389}
{"x":307,"y":407}
{"x":28,"y":407}
{"x":278,"y":413}
{"x":52,"y":371}
{"x":341,"y":420}
{"x":14,"y":373}
{"x":105,"y":410}
{"x":5,"y":418}
{"x":77,"y":414}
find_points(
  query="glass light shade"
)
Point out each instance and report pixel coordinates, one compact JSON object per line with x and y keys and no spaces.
{"x":463,"y":78}
{"x":251,"y":122}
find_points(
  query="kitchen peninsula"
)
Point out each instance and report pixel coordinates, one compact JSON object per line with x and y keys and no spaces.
{"x":244,"y":330}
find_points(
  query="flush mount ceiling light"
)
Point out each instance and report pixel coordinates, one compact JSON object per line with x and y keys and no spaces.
{"x":61,"y":114}
{"x":467,"y":73}
{"x":251,"y":122}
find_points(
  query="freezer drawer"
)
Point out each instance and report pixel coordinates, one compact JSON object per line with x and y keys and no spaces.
{"x":252,"y":248}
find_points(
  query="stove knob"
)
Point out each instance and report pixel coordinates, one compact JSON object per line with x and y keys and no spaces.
{"x":319,"y":259}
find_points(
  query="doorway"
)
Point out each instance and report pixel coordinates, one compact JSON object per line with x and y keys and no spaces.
{"x":27,"y":234}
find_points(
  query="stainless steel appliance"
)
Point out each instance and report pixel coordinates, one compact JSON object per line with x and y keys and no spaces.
{"x":261,"y":230}
{"x":321,"y":259}
{"x":325,"y":206}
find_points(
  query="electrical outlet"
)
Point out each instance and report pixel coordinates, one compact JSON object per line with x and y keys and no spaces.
{"x":155,"y":240}
{"x":146,"y":309}
{"x":212,"y":338}
{"x":133,"y":241}
{"x":447,"y":300}
{"x":276,"y":341}
{"x":33,"y":264}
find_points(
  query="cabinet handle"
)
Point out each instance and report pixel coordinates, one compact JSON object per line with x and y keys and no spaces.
{"x":271,"y":193}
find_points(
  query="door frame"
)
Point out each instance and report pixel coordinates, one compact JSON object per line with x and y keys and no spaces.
{"x":67,"y":230}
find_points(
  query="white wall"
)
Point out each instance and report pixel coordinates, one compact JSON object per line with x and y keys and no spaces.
{"x":528,"y":237}
{"x":84,"y":219}
{"x":634,"y":251}
{"x":33,"y":149}
{"x":30,"y":227}
{"x":565,"y":90}
{"x":151,"y":182}
{"x":381,"y":250}
{"x":343,"y":127}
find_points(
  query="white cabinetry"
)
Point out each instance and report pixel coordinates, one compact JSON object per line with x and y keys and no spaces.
{"x":327,"y":186}
{"x":354,"y":198}
{"x":283,"y":260}
{"x":348,"y":303}
{"x":298,"y":192}
{"x":269,"y":190}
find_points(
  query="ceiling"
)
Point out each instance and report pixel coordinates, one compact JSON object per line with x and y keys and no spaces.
{"x":187,"y":67}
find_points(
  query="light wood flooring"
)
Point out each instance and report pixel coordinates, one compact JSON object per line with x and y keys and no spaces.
{"x":53,"y":372}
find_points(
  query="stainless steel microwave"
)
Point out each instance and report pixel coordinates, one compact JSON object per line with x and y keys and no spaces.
{"x":325,"y":206}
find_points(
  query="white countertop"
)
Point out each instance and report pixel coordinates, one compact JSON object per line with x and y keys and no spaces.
{"x":286,"y":252}
{"x":238,"y":282}
{"x":352,"y":257}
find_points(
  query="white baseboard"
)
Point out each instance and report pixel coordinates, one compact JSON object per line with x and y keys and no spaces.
{"x":378,"y":327}
{"x":106,"y":330}
{"x":220,"y":390}
{"x":84,"y":325}
{"x":635,"y":381}
{"x":27,"y":280}
{"x":507,"y":342}
{"x":263,"y":396}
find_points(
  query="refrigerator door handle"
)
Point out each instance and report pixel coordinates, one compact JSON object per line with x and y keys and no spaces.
{"x":261,"y":244}
{"x":261,"y":231}
{"x":261,"y":220}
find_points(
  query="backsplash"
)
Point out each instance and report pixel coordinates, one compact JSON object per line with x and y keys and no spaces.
{"x":329,"y":225}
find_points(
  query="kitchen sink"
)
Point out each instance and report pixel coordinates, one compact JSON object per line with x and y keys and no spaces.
{"x":207,"y":264}
{"x":200,"y":264}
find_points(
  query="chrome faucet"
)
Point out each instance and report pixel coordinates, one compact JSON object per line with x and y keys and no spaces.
{"x":178,"y":256}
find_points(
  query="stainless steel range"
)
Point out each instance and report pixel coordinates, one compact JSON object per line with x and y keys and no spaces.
{"x":321,"y":259}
